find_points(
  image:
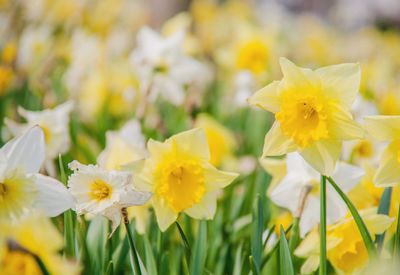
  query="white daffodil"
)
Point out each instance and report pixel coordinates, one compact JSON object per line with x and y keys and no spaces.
{"x":302,"y":182}
{"x":123,"y":146}
{"x":21,"y":187}
{"x":162,"y":66}
{"x":99,"y":191}
{"x":55,"y":126}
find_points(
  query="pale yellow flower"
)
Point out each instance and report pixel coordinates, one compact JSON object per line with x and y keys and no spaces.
{"x":312,"y":111}
{"x":181,"y":178}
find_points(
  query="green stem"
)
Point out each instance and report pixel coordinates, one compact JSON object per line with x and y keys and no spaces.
{"x":369,"y":244}
{"x":383,"y":208}
{"x":136,"y":264}
{"x":396,"y":246}
{"x":322,"y":235}
{"x":184,"y":239}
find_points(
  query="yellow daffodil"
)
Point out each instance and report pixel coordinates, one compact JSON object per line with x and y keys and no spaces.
{"x":346,"y":249}
{"x":220,"y":139}
{"x":386,"y":128}
{"x":179,"y":174}
{"x":312,"y":111}
{"x":33,"y":235}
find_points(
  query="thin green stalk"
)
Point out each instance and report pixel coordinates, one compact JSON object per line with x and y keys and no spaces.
{"x":322,"y":227}
{"x":396,"y":246}
{"x":369,"y":244}
{"x":136,"y":264}
{"x":183,"y":237}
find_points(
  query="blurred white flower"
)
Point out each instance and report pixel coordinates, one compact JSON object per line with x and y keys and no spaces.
{"x":99,"y":191}
{"x":55,"y":125}
{"x":162,"y":66}
{"x":21,"y":187}
{"x":303,"y":182}
{"x":244,"y":88}
{"x":123,"y":146}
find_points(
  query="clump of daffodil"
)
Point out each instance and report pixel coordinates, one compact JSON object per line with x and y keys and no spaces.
{"x":221,"y":140}
{"x":312,"y":112}
{"x":32,"y":236}
{"x":386,"y":128}
{"x":345,"y":247}
{"x":179,"y":174}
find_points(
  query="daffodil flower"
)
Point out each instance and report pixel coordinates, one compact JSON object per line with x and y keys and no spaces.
{"x":302,"y":182}
{"x":179,"y":174}
{"x":312,"y":111}
{"x":346,"y":250}
{"x":55,"y":126}
{"x":21,"y":187}
{"x":162,"y":66}
{"x":387,"y":129}
{"x":99,"y":191}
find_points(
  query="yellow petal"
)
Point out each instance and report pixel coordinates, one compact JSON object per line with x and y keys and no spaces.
{"x":344,"y":127}
{"x":216,"y":179}
{"x":276,"y":143}
{"x":164,"y":214}
{"x":323,"y":155}
{"x":157,"y":149}
{"x":141,"y":179}
{"x":193,"y":141}
{"x":310,"y":265}
{"x":205,"y":209}
{"x":267,"y":98}
{"x":276,"y":168}
{"x":383,"y":128}
{"x":296,"y":77}
{"x":388,"y":173}
{"x":310,"y":245}
{"x":377,"y":224}
{"x":341,"y":82}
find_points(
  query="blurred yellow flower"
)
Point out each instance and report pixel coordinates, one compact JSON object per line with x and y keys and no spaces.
{"x":312,"y":111}
{"x":285,"y":219}
{"x":252,"y":55}
{"x":181,"y":178}
{"x":38,"y":236}
{"x":221,"y":140}
{"x":346,"y":250}
{"x":386,"y":128}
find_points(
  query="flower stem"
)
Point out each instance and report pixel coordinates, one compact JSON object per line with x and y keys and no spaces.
{"x":136,"y":264}
{"x":322,"y":228}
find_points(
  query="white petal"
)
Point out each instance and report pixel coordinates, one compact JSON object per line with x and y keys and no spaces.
{"x":53,"y":196}
{"x":26,"y":152}
{"x":287,"y":193}
{"x":347,"y":176}
{"x":310,"y":215}
{"x":132,"y":197}
{"x":206,"y":208}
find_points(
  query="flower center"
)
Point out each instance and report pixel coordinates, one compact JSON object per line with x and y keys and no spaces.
{"x":100,"y":190}
{"x":303,"y":118}
{"x":252,"y":56}
{"x":47,"y":134}
{"x":180,"y":183}
{"x":16,"y":193}
{"x":364,"y":149}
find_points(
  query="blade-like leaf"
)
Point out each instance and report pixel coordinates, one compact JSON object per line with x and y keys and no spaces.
{"x":198,"y":258}
{"x":285,"y":261}
{"x":369,"y":244}
{"x":256,"y":234}
{"x":384,"y":207}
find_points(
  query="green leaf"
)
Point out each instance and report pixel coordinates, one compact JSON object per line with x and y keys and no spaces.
{"x":151,"y":266}
{"x":294,"y":236}
{"x":198,"y":258}
{"x":109,"y":270}
{"x":256,"y":234}
{"x":238,"y":263}
{"x":285,"y":261}
{"x":96,"y":242}
{"x":384,"y":207}
{"x":322,"y":227}
{"x":369,"y":244}
{"x":396,"y":247}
